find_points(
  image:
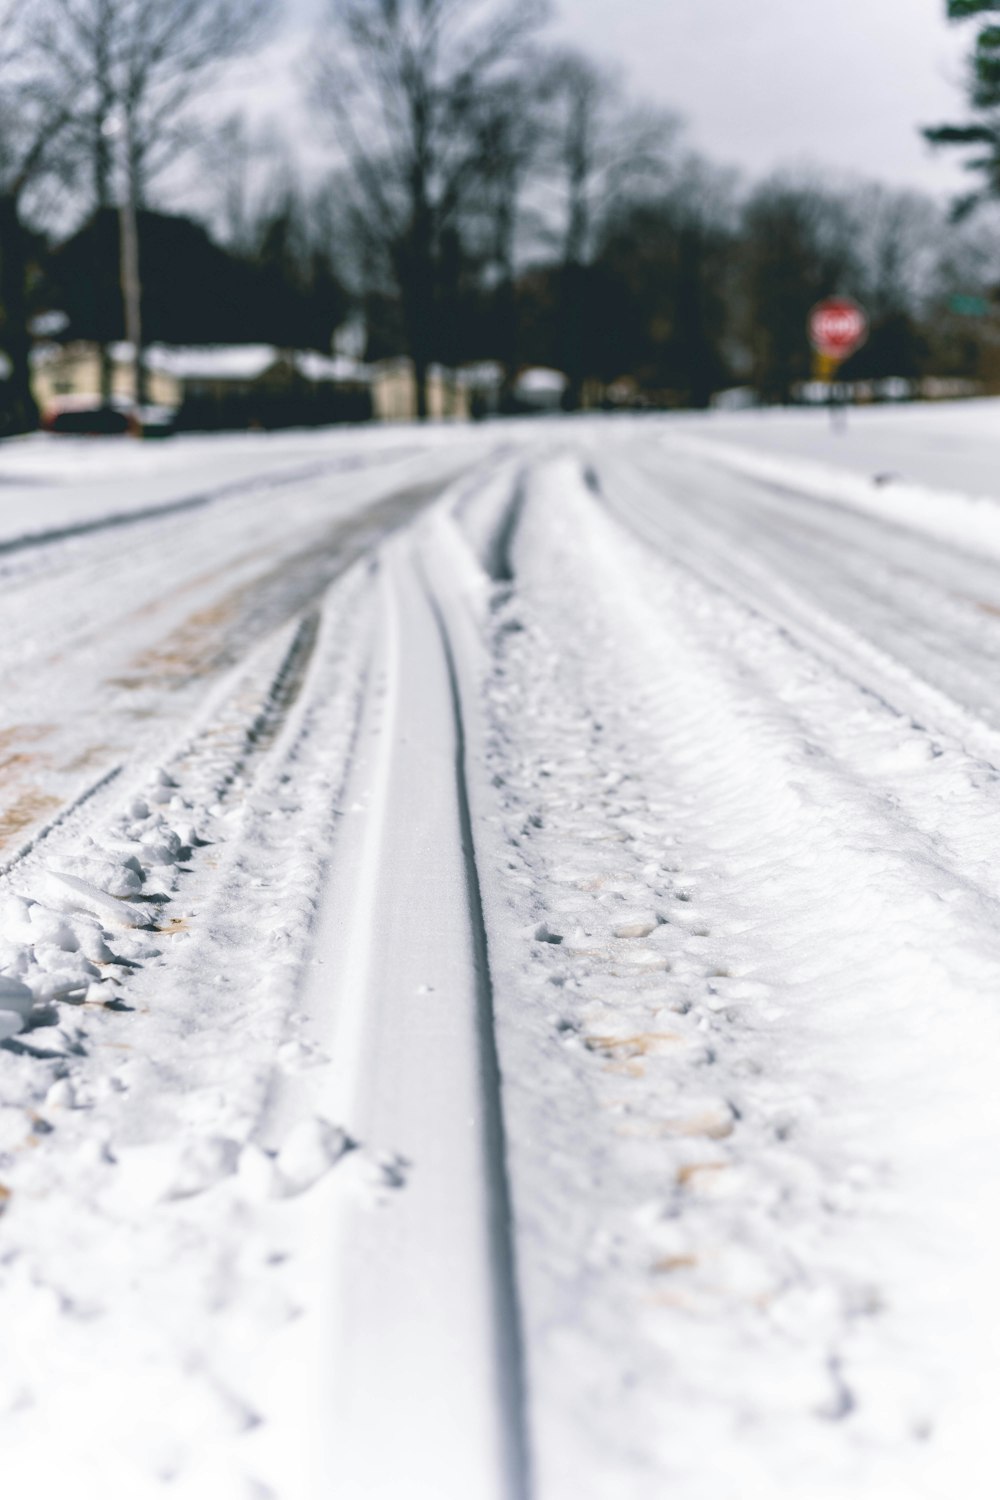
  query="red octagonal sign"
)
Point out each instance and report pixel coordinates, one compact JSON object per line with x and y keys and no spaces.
{"x":837,"y":327}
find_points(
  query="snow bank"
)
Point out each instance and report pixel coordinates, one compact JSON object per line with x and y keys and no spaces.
{"x":968,"y":521}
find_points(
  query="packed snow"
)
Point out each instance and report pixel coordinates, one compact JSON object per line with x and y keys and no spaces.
{"x":499,"y":954}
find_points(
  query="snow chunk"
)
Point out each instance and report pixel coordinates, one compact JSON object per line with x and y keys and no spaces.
{"x":117,"y":874}
{"x":11,"y":1024}
{"x":70,"y":893}
{"x":15,"y":919}
{"x":15,"y":997}
{"x":52,"y":928}
{"x":161,"y":1173}
{"x":61,"y":1095}
{"x":258,"y":1176}
{"x":635,"y":924}
{"x":161,"y":845}
{"x":312,"y":1148}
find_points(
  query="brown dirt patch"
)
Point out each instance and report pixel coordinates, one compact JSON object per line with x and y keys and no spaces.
{"x":30,"y":808}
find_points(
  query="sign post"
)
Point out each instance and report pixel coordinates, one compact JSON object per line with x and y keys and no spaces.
{"x":838,"y":326}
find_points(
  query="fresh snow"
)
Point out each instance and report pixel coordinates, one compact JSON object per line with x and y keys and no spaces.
{"x":498,"y":961}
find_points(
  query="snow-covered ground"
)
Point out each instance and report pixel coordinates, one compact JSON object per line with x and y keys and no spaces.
{"x":499,"y":961}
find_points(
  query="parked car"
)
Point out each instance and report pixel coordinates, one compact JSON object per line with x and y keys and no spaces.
{"x":85,"y":416}
{"x":88,"y":416}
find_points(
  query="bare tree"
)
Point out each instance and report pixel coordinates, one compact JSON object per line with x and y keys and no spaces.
{"x":508,"y":132}
{"x":33,"y":126}
{"x":666,"y":263}
{"x":145,"y":63}
{"x":135,"y":72}
{"x":248,"y":168}
{"x":799,"y":242}
{"x":602,"y":150}
{"x":402,"y":82}
{"x":898,"y":242}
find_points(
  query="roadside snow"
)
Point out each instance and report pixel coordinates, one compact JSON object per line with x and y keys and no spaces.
{"x":965,"y":520}
{"x":940,"y":445}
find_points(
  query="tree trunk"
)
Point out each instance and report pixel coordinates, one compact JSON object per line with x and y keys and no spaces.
{"x":141,"y":376}
{"x":415,"y":274}
{"x":417,"y":313}
{"x":23,"y":413}
{"x":421,"y":377}
{"x":506,"y":331}
{"x":573,"y":333}
{"x":132,"y":289}
{"x":102,"y":200}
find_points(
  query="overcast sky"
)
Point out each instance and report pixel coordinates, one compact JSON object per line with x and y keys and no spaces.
{"x":764,"y":83}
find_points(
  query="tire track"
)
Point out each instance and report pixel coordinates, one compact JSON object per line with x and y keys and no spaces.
{"x":240,"y":723}
{"x":138,"y":696}
{"x":258,"y":484}
{"x":910,"y":613}
{"x":508,"y":1312}
{"x":944,"y":809}
{"x":750,"y":1042}
{"x":424,"y":1312}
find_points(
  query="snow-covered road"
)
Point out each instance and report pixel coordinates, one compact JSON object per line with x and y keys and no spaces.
{"x":499,"y":960}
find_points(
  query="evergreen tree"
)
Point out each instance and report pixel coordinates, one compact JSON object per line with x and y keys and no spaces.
{"x":984,"y":98}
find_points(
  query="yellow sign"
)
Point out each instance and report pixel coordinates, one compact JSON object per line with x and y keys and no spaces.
{"x":825,"y":367}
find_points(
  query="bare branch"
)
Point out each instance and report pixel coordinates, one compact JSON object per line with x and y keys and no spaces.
{"x":403,"y":84}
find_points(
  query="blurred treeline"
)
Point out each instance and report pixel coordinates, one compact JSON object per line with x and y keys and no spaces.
{"x":485,"y":197}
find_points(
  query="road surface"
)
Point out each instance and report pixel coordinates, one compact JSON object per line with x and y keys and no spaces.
{"x":498,"y":967}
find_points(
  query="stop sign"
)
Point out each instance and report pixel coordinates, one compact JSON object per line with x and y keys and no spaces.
{"x":837,"y":327}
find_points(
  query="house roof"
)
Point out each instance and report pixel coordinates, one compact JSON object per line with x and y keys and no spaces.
{"x":210,"y":361}
{"x":329,"y":367}
{"x":539,"y":381}
{"x":242,"y":362}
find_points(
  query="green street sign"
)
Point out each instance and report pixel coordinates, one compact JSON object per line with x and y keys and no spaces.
{"x":970,"y":307}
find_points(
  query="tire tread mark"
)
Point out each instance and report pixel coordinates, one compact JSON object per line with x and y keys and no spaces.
{"x":259,"y":483}
{"x":505,"y":1278}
